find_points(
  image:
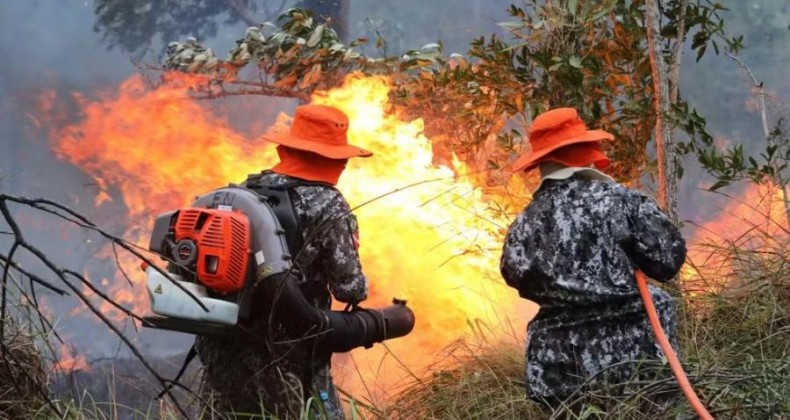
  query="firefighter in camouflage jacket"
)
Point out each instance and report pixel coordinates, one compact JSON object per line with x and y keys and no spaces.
{"x":242,"y":374}
{"x":574,"y":251}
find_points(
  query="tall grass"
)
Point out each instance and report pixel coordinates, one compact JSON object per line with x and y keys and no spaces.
{"x":23,"y":376}
{"x":734,"y":335}
{"x":478,"y":378}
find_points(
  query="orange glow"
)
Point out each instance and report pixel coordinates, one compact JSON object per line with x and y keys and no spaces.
{"x":70,"y":361}
{"x":436,"y":244}
{"x":754,"y":220}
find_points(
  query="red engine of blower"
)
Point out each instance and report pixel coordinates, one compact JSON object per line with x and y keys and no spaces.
{"x":215,"y":244}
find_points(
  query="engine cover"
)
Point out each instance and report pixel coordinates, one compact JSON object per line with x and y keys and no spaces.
{"x":219,"y":241}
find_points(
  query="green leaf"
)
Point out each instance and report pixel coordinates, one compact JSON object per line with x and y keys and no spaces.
{"x":719,"y":184}
{"x":575,"y":61}
{"x":513,"y":47}
{"x":572,"y":7}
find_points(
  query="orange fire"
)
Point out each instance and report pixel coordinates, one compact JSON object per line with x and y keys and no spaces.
{"x":757,"y":219}
{"x":69,"y":361}
{"x":436,"y":244}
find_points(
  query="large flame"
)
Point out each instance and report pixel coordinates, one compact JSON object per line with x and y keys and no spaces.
{"x":434,"y":238}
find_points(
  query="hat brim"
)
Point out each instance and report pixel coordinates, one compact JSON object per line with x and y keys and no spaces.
{"x":326,"y":150}
{"x":527,"y":160}
{"x":596,"y":157}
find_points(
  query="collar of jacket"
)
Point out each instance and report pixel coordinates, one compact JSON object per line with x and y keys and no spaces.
{"x":554,"y":171}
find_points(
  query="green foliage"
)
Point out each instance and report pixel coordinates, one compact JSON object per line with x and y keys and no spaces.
{"x":706,"y":17}
{"x":732,"y":165}
{"x":133,"y":25}
{"x":584,"y":54}
{"x":580,"y":53}
{"x":721,"y":90}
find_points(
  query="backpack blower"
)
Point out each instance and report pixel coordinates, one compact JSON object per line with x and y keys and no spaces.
{"x":229,"y":257}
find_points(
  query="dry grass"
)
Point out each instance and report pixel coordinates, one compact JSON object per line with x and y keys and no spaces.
{"x":23,"y":377}
{"x":735,"y":339}
{"x":478,"y":379}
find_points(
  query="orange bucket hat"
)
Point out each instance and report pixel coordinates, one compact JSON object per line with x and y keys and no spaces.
{"x":319,"y":129}
{"x":553,"y":131}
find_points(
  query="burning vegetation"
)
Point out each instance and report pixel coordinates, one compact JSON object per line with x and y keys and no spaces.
{"x":433,"y":211}
{"x":159,"y":147}
{"x":150,"y":143}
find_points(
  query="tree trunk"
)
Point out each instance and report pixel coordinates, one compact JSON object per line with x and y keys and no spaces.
{"x":674,"y":69}
{"x":666,"y":154}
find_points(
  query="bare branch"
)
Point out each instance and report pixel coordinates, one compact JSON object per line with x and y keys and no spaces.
{"x":766,"y":131}
{"x":82,"y":221}
{"x":62,"y":274}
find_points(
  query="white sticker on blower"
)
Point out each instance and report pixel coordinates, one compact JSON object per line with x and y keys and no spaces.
{"x":259,"y":257}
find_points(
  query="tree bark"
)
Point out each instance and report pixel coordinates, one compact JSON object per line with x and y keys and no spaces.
{"x":674,"y":70}
{"x":666,"y":154}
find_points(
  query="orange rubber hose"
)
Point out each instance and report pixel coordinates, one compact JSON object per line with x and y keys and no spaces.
{"x":672,"y":357}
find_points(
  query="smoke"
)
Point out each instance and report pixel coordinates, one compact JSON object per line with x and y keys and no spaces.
{"x":51,"y":45}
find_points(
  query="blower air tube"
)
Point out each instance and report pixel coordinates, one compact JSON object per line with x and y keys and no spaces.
{"x":278,"y":297}
{"x":327,"y":330}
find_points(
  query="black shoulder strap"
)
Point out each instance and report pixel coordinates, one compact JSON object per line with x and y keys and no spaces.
{"x":280,"y":198}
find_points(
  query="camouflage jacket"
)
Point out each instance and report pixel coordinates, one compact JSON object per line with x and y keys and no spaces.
{"x":574,"y":250}
{"x":329,"y":259}
{"x":242,"y":372}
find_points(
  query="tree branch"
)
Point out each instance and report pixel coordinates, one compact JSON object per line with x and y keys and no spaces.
{"x":62,"y":274}
{"x":766,"y":130}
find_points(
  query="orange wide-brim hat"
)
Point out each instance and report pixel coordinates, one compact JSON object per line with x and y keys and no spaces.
{"x":575,"y":155}
{"x":318,"y":129}
{"x":557,"y":129}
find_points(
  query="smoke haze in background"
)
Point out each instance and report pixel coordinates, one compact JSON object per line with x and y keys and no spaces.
{"x":49,"y":45}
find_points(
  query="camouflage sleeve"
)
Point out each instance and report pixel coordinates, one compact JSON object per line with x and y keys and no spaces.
{"x":656,"y":245}
{"x":516,"y":260}
{"x":338,"y":242}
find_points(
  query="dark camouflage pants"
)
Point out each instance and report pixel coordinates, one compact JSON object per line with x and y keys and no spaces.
{"x":242,"y":382}
{"x":602,"y":345}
